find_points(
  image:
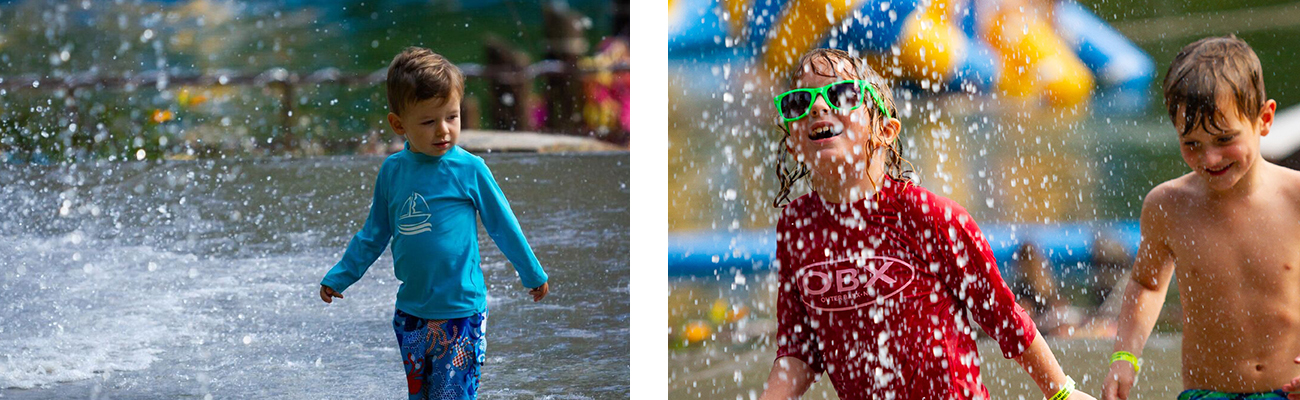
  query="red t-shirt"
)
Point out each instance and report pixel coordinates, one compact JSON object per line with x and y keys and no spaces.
{"x":878,"y":293}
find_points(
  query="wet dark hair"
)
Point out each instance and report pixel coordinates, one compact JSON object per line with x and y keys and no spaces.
{"x":1203,"y":70}
{"x":827,"y":62}
{"x":418,"y":74}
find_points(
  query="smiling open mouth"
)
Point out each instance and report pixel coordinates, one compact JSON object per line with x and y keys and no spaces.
{"x":1218,"y":171}
{"x":824,"y":132}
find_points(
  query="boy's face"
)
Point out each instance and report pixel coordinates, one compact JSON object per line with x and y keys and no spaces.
{"x":1223,"y":158}
{"x":431,"y":125}
{"x":827,"y":138}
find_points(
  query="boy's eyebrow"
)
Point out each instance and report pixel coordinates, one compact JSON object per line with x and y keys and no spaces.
{"x":1221,"y":132}
{"x":1213,"y":125}
{"x":435,"y":116}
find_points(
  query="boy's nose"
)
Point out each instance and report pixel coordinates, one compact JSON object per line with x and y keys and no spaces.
{"x":819,"y":106}
{"x":1211,"y":158}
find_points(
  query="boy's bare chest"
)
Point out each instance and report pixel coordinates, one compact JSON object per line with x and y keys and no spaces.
{"x":1247,"y":253}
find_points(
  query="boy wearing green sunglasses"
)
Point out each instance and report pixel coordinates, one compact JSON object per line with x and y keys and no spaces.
{"x":878,"y":276}
{"x":845,"y":95}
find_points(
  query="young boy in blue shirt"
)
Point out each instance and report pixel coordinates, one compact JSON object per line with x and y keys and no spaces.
{"x":426,"y":198}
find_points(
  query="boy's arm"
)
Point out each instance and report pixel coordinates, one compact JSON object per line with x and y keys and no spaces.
{"x":789,"y":379}
{"x":968,"y":268}
{"x":798,"y":360}
{"x":365,"y":247}
{"x":501,"y":225}
{"x":973,"y":274}
{"x":1039,"y":362}
{"x":1143,"y":296}
{"x":1293,"y":388}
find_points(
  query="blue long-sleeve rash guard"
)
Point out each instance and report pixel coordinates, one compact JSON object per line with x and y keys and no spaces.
{"x":427,"y":204}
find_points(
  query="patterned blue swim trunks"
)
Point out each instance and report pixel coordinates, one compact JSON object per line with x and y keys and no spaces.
{"x":1202,"y":394}
{"x":441,"y":357}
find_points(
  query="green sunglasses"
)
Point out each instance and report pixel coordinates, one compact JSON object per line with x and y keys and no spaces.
{"x":842,"y":95}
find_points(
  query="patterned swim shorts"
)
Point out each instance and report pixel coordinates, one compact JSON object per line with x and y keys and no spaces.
{"x":1202,"y":394}
{"x":441,"y":357}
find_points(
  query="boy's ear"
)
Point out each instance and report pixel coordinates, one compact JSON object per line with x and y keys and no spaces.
{"x":890,"y":129}
{"x":1266,"y":117}
{"x":396,"y":124}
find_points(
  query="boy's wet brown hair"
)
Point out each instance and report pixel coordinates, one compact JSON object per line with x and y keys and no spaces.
{"x":419,"y":74}
{"x":832,"y":63}
{"x":1204,"y":70}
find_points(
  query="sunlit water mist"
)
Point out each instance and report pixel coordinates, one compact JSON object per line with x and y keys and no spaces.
{"x":738,"y":372}
{"x":184,"y":279}
{"x":1002,"y":159}
{"x":1008,"y":163}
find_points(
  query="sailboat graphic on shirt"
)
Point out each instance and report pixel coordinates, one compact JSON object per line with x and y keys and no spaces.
{"x":415,"y":216}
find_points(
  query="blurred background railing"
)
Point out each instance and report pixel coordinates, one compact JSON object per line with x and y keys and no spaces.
{"x":509,"y":82}
{"x":178,"y":80}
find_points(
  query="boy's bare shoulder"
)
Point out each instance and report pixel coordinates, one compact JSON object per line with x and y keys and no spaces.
{"x":1172,"y":192}
{"x":1287,"y":181}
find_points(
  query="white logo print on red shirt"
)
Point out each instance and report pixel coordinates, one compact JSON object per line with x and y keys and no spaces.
{"x":853,"y":282}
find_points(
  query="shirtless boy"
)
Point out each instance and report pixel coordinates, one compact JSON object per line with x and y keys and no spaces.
{"x":1230,"y":229}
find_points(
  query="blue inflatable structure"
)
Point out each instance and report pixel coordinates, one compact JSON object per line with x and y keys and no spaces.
{"x":1068,"y":246}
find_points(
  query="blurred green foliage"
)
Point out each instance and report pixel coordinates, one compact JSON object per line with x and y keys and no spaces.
{"x":61,"y":39}
{"x":1275,"y":45}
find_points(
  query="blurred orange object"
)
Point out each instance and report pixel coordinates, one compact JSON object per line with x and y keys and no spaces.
{"x":697,"y":331}
{"x":160,"y":116}
{"x":723,"y":312}
{"x":185,"y":99}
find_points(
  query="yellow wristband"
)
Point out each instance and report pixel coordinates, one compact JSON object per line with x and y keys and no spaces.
{"x":1126,"y":356}
{"x":1065,"y":391}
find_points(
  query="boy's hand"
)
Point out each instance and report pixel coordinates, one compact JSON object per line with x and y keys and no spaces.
{"x":1119,"y":381}
{"x":540,"y":291}
{"x":1293,"y":388}
{"x":326,"y":292}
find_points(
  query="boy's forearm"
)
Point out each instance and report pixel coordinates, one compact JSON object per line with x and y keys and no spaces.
{"x":1138,"y":316}
{"x":503,"y":227}
{"x":789,"y":379}
{"x":521,"y":256}
{"x":362,"y":251}
{"x":1039,"y":362}
{"x":515,"y":247}
{"x":781,"y":390}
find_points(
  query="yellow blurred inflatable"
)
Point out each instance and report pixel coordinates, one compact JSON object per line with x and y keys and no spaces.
{"x":1035,"y":61}
{"x":1008,"y":47}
